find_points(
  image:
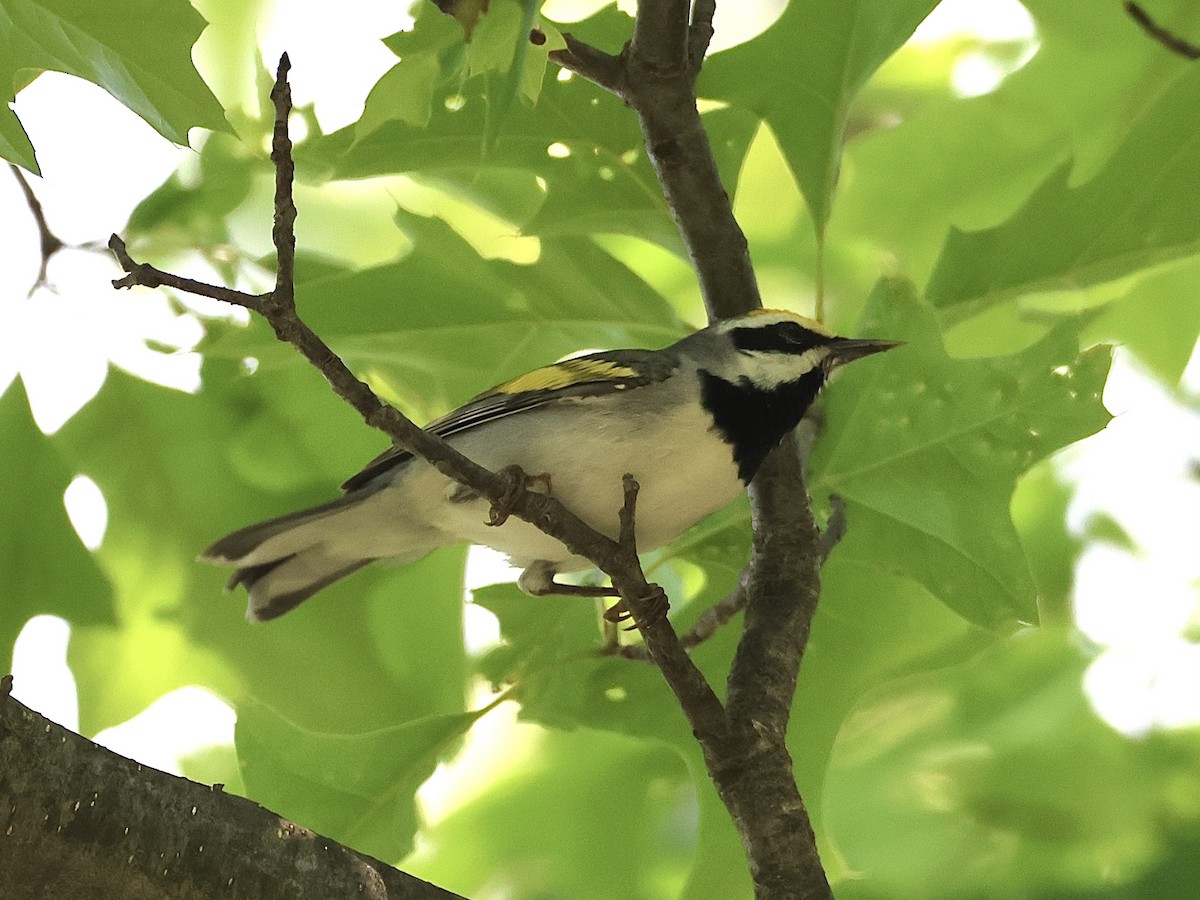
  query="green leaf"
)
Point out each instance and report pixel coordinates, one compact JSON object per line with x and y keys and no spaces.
{"x":403,"y":94}
{"x":196,"y":216}
{"x":582,"y":145}
{"x":926,"y":449}
{"x":996,"y":776}
{"x":583,"y":814}
{"x":801,"y":76}
{"x":1158,"y":319}
{"x":1039,"y":510}
{"x":356,"y":788}
{"x":14,"y":142}
{"x":550,"y":654}
{"x":1140,"y":210}
{"x":1072,"y":99}
{"x":433,"y":55}
{"x":142,"y":56}
{"x":43,"y":565}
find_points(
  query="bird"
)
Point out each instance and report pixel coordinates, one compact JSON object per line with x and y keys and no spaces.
{"x":691,"y":422}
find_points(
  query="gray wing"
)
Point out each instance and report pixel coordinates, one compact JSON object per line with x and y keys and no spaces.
{"x":593,"y":375}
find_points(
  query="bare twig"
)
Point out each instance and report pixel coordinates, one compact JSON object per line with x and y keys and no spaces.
{"x":283,"y":232}
{"x":144,"y":275}
{"x":663,"y":647}
{"x":719,"y":614}
{"x":48,"y":242}
{"x":1173,"y":42}
{"x":598,"y":67}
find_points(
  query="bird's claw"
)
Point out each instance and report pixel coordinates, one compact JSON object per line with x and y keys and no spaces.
{"x":657,"y":607}
{"x":518,"y":483}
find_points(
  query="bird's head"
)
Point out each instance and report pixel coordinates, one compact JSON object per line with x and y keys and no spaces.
{"x":770,"y":348}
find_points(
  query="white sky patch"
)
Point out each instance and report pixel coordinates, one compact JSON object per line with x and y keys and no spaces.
{"x":485,"y":566}
{"x":63,"y":336}
{"x":87,"y":510}
{"x":980,"y":72}
{"x":1137,"y":603}
{"x":41,"y":679}
{"x":336,"y":59}
{"x":171,"y":728}
{"x":993,"y":20}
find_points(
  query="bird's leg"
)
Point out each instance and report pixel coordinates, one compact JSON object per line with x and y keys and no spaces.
{"x":572,"y":590}
{"x":538,"y":581}
{"x":518,"y":483}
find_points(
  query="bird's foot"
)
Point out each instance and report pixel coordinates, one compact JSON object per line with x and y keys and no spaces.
{"x":657,"y":608}
{"x":518,"y":484}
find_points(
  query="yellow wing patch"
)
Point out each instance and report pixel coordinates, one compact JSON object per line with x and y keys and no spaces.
{"x":810,"y":324}
{"x":564,"y":374}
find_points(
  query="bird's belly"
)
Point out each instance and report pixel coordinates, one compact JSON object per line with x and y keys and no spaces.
{"x":683,"y":476}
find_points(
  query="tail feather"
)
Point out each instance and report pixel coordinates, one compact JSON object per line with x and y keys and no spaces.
{"x":284,"y":561}
{"x":278,"y":587}
{"x":256,"y":544}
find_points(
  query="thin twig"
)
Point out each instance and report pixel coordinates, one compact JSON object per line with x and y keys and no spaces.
{"x":703,"y":709}
{"x":283,"y":232}
{"x":1173,"y":42}
{"x":719,"y":614}
{"x":600,"y":68}
{"x":48,"y":242}
{"x":145,"y":275}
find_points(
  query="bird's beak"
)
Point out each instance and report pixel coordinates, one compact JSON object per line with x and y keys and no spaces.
{"x":844,"y":350}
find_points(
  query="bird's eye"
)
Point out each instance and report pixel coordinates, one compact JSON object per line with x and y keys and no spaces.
{"x":793,"y":332}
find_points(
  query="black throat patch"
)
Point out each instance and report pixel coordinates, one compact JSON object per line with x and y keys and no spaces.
{"x":752,"y":420}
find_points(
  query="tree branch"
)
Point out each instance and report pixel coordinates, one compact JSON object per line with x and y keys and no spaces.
{"x":598,"y":67}
{"x":700,"y":33}
{"x":659,"y":43}
{"x":85,"y":822}
{"x":752,"y":769}
{"x":719,"y":614}
{"x":664,"y":99}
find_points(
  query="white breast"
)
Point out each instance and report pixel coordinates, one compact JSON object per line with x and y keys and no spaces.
{"x":684,"y":468}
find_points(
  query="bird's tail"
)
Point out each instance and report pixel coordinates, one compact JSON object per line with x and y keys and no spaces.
{"x":284,"y":561}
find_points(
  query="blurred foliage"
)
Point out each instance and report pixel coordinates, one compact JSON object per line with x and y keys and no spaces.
{"x":485,"y":216}
{"x":141,"y":56}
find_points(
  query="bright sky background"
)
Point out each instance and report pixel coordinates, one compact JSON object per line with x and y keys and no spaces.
{"x":1133,"y":603}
